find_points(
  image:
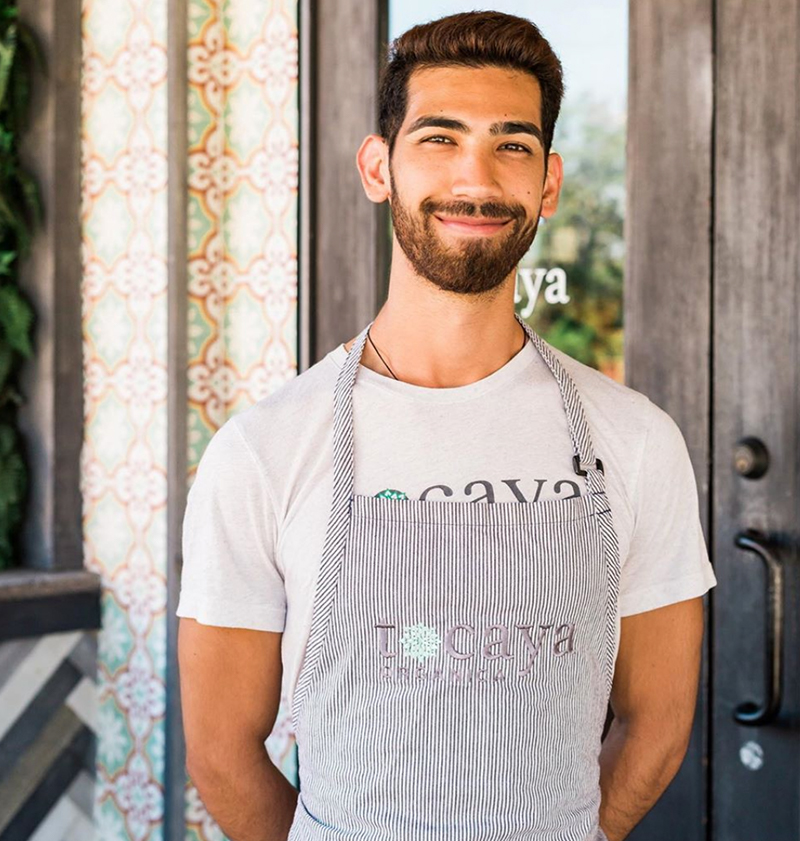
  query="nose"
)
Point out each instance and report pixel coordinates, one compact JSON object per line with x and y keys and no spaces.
{"x":475,"y":176}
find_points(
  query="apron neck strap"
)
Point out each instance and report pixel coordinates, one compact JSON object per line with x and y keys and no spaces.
{"x":584,"y":461}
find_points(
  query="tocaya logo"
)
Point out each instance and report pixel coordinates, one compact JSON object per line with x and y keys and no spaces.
{"x":491,"y":490}
{"x":554,"y":293}
{"x":468,"y":654}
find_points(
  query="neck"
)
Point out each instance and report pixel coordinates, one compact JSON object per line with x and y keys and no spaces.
{"x":441,"y":340}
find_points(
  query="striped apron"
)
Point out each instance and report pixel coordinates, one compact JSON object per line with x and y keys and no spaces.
{"x":457,"y":673}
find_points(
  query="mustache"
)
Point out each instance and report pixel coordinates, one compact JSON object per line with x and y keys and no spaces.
{"x":489,"y":210}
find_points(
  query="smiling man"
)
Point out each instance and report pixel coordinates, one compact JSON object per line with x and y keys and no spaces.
{"x":448,"y":543}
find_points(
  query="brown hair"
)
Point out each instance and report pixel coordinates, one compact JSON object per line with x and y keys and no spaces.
{"x":469,"y":39}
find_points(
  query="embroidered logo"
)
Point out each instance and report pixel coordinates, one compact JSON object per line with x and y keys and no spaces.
{"x":390,"y":493}
{"x":497,"y":651}
{"x":420,"y":641}
{"x":482,"y":490}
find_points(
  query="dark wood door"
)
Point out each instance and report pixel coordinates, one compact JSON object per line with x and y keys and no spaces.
{"x":712,"y":335}
{"x":755,"y":727}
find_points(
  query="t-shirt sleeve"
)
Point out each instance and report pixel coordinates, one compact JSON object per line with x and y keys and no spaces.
{"x":668,"y":559}
{"x":230,"y":576}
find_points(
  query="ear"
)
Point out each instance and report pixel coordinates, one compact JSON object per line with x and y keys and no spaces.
{"x":372,"y":161}
{"x":552,"y":184}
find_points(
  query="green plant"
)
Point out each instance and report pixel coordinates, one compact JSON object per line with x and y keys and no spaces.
{"x":20,"y":215}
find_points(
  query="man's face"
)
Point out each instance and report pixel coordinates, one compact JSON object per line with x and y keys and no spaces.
{"x":467,"y":175}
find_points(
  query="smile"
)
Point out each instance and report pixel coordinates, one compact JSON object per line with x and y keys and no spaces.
{"x":482,"y":227}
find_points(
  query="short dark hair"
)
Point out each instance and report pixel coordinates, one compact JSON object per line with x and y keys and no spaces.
{"x":469,"y":39}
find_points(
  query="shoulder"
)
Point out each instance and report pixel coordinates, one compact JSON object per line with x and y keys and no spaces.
{"x":630,"y":432}
{"x":299,"y":399}
{"x":299,"y":403}
{"x":287,"y":435}
{"x":607,"y":401}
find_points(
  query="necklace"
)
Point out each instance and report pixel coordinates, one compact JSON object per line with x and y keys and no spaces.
{"x":379,"y":354}
{"x":524,"y":339}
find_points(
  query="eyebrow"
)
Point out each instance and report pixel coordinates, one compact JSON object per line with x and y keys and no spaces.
{"x":507,"y":127}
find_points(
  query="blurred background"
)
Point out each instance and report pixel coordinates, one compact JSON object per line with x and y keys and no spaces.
{"x":183,"y":230}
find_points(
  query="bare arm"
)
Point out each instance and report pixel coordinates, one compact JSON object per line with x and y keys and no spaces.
{"x":230,"y":682}
{"x":653,"y":698}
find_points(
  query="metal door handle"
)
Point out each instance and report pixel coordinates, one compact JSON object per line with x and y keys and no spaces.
{"x":750,"y":713}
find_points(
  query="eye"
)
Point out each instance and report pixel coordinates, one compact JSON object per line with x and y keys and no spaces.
{"x":520,"y":147}
{"x":437,"y":137}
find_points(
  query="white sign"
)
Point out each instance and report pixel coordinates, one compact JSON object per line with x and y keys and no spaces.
{"x":555,"y":292}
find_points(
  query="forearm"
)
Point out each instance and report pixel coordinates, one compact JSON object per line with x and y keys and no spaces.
{"x":251,"y":800}
{"x":635,"y":769}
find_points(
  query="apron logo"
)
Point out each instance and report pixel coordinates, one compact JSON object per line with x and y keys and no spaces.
{"x":420,"y":641}
{"x":489,"y":494}
{"x":390,"y":493}
{"x":462,"y":643}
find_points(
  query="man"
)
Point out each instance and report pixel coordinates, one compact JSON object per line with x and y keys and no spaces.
{"x":450,"y":543}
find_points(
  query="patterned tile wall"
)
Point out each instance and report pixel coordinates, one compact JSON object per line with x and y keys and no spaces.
{"x":243,"y":156}
{"x":243,"y":166}
{"x":243,"y":173}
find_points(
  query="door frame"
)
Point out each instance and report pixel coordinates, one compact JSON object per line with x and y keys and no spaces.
{"x":343,"y":260}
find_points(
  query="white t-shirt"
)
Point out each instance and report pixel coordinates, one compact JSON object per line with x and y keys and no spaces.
{"x":257,"y":511}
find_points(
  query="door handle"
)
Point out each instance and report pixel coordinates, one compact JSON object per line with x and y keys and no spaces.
{"x":750,"y":713}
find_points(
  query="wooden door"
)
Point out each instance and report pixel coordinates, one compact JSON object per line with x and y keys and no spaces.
{"x":711,"y":330}
{"x":755,"y":727}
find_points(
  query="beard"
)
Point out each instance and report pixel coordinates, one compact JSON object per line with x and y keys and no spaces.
{"x":475,"y":266}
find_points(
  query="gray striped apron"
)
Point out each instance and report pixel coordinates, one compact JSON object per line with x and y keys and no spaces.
{"x":456,"y":677}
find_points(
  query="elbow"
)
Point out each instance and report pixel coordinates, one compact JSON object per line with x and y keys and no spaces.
{"x":675,"y":738}
{"x":673,"y":748}
{"x":201,"y":771}
{"x":679,"y":746}
{"x":206,"y":767}
{"x":673,"y":752}
{"x":667,"y":746}
{"x":213,"y":765}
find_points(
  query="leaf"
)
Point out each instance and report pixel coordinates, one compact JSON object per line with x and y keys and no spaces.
{"x":12,"y":475}
{"x":21,"y":210}
{"x":9,"y":12}
{"x":6,"y":261}
{"x":6,"y":144}
{"x":8,"y":49}
{"x":5,"y":210}
{"x":19,"y":99}
{"x":31,"y":196}
{"x":15,"y":219}
{"x":6,"y":358}
{"x":16,"y":318}
{"x":7,"y":439}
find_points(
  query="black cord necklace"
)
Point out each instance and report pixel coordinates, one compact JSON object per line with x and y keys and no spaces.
{"x":379,"y":354}
{"x":524,"y":339}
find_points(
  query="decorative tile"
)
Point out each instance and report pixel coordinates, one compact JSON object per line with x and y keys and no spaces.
{"x":242,"y":315}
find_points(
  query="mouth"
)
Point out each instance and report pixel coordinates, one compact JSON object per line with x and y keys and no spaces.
{"x":471,"y":226}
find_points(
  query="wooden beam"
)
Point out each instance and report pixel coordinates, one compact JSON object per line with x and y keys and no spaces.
{"x":51,"y":419}
{"x":350,"y":233}
{"x":177,"y":400}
